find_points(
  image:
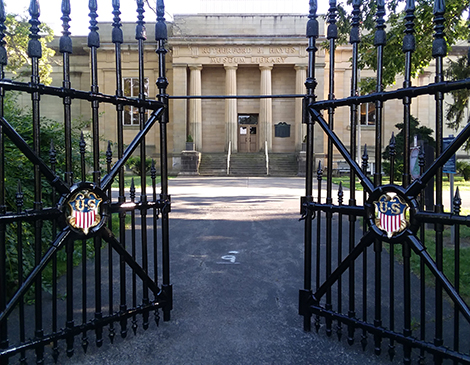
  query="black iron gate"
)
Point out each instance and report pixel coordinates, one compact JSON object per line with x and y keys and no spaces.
{"x":71,"y":215}
{"x":365,"y":287}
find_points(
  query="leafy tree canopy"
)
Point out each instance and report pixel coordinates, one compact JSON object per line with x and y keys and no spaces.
{"x":394,"y":61}
{"x":17,"y":38}
{"x":456,"y":112}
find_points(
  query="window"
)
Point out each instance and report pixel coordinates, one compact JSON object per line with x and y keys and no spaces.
{"x":247,"y":118}
{"x":368,"y":114}
{"x":131,"y":90}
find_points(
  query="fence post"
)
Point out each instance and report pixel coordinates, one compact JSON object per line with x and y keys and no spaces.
{"x":161,"y":36}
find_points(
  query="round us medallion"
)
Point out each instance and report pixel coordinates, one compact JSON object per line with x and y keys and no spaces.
{"x":390,"y":212}
{"x":85,"y":208}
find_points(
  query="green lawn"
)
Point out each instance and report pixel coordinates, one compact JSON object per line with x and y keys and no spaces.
{"x":448,"y":258}
{"x":137,"y":181}
{"x":458,"y":182}
{"x":430,"y":239}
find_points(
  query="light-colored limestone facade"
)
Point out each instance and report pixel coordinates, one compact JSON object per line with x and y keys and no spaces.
{"x":241,"y":55}
{"x":231,"y":55}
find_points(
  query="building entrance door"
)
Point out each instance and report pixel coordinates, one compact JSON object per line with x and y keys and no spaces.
{"x":248,"y":133}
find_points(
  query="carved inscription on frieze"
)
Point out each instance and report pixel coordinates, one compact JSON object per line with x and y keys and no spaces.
{"x":248,"y":60}
{"x":249,"y":55}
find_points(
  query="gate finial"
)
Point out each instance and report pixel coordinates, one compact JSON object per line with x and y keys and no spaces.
{"x":140,"y":31}
{"x":439,"y":6}
{"x":355,"y":32}
{"x":3,"y":51}
{"x":319,"y":171}
{"x":392,"y":151}
{"x":161,"y":32}
{"x":313,"y":8}
{"x":409,"y":39}
{"x":365,"y":159}
{"x":34,"y":46}
{"x":65,"y":40}
{"x":340,"y":194}
{"x":117,"y":36}
{"x":457,"y":202}
{"x":109,"y":153}
{"x":161,"y":35}
{"x":380,"y":35}
{"x":312,"y":25}
{"x":332,"y":32}
{"x":93,"y":36}
{"x":439,"y":45}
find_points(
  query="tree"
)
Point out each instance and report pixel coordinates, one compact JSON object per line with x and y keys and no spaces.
{"x":19,"y":176}
{"x":394,"y":61}
{"x":17,"y":166}
{"x":455,"y":112}
{"x":456,"y":29}
{"x":17,"y":38}
{"x":423,"y":133}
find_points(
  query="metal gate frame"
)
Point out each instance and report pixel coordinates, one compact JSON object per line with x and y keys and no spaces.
{"x":336,"y":287}
{"x":67,"y":192}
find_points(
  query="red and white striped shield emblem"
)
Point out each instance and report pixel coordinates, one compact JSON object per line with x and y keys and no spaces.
{"x":390,"y":214}
{"x":84,"y":211}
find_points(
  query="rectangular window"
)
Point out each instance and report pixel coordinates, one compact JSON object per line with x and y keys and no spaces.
{"x":368,"y":114}
{"x":247,"y":118}
{"x":131,"y":90}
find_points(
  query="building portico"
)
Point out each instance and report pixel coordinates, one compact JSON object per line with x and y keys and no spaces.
{"x":245,"y":56}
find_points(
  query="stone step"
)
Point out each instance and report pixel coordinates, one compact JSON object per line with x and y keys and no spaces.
{"x":248,"y":164}
{"x":213,"y":164}
{"x":283,"y":164}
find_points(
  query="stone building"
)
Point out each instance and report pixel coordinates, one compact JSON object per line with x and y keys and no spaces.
{"x":228,"y":54}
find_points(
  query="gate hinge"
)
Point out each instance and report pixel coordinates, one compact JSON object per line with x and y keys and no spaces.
{"x":165,"y":202}
{"x":305,"y":300}
{"x":305,"y":202}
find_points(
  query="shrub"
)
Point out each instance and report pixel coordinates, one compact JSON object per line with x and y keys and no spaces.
{"x":134,"y":164}
{"x":19,"y":168}
{"x":463,"y":168}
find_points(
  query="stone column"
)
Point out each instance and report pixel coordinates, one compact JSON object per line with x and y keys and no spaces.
{"x":300,"y":129}
{"x":179,"y":108}
{"x":231,"y":110}
{"x":195,"y":106}
{"x":266,"y":108}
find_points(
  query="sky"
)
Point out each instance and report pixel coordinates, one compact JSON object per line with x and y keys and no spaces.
{"x":80,"y":20}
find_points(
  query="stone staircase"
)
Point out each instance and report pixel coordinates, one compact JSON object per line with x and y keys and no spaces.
{"x":248,"y":164}
{"x":283,"y":164}
{"x":213,"y":164}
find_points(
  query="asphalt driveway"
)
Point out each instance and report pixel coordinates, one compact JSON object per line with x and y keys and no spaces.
{"x":236,"y":256}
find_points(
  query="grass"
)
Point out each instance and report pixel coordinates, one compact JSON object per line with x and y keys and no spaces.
{"x":448,"y":255}
{"x":137,"y":181}
{"x":344,"y":180}
{"x":458,"y":181}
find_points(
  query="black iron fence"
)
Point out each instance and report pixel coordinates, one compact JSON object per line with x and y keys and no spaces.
{"x":375,"y":271}
{"x":81,"y":251}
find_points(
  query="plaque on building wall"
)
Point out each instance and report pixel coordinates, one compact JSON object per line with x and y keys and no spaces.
{"x":282,"y":130}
